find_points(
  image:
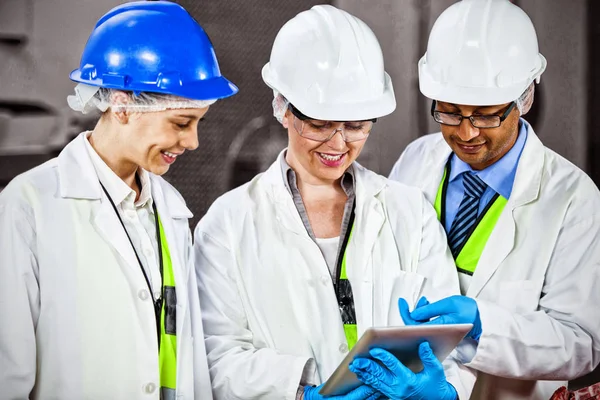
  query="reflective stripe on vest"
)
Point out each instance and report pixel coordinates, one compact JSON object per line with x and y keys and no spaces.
{"x":167,"y":357}
{"x":349,"y":329}
{"x":469,"y":255}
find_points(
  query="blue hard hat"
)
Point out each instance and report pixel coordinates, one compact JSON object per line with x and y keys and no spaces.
{"x":152,"y":46}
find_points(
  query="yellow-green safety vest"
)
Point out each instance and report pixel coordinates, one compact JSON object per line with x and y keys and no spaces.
{"x":167,"y":356}
{"x":468,"y":257}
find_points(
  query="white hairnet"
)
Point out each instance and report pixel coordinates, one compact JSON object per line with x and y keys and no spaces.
{"x":525,"y":101}
{"x":280,"y":105}
{"x":88,"y":98}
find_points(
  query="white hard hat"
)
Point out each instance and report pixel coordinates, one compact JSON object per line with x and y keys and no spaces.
{"x":480,"y":52}
{"x":329,"y":65}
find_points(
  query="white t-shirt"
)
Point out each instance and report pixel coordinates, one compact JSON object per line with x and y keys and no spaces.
{"x":329,"y":248}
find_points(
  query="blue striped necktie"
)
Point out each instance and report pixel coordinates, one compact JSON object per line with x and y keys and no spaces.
{"x":467,"y":212}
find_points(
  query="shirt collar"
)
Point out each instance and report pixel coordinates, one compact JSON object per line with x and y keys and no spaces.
{"x":290,"y":179}
{"x":146,"y":193}
{"x":500,"y":175}
{"x":118,"y":190}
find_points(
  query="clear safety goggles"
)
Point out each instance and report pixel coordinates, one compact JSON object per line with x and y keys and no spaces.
{"x":323,"y":131}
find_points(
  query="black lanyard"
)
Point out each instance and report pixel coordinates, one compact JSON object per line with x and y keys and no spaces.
{"x":158,"y":303}
{"x":343,"y":289}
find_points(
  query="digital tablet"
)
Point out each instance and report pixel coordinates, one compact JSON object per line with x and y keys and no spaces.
{"x":403,"y":342}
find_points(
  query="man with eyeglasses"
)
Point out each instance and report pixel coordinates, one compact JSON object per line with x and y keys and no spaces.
{"x":522,"y":223}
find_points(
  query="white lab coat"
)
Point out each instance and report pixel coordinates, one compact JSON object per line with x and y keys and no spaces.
{"x":77,"y":318}
{"x":537,"y":282}
{"x":268,"y":300}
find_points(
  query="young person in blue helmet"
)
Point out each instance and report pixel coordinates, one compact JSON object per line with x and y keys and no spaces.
{"x":98,"y":294}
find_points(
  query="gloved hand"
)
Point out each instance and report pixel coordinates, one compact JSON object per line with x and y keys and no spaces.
{"x":451,"y":310}
{"x":363,"y":392}
{"x":396,"y":382}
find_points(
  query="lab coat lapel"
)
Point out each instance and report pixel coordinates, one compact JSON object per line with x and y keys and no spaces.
{"x":76,"y":173}
{"x":369,"y":219}
{"x":434,"y":170}
{"x":78,"y":179}
{"x":106,"y":223}
{"x":499,"y":245}
{"x":286,"y":213}
{"x":171,"y":209}
{"x":526,"y":189}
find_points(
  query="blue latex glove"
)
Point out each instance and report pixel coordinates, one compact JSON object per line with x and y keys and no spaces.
{"x":396,"y":382}
{"x":451,"y":310}
{"x":363,"y":392}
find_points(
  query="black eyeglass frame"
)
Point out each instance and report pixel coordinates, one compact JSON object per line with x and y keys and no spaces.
{"x":470,"y":117}
{"x":298,"y":114}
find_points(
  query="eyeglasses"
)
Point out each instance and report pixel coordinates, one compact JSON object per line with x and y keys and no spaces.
{"x":323,"y":131}
{"x":478,"y":121}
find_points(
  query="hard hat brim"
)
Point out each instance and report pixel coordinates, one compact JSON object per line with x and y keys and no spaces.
{"x":203,"y":89}
{"x":378,"y":107}
{"x":489,"y":95}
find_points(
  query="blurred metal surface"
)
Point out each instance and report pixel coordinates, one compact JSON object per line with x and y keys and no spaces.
{"x":253,"y":150}
{"x":40,"y":43}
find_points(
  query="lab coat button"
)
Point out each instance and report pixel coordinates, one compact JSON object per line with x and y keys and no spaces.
{"x":143,"y":294}
{"x":343,"y":348}
{"x":150,"y":388}
{"x":130,"y":214}
{"x":325,"y":280}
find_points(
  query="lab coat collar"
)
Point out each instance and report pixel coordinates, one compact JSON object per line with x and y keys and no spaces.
{"x":174,"y":205}
{"x":528,"y":179}
{"x":77,"y":175}
{"x":435,"y":163}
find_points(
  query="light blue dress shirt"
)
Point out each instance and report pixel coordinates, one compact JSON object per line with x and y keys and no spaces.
{"x":499,"y":177}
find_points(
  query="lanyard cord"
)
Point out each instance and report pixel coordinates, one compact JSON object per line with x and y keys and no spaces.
{"x":343,"y":289}
{"x":156,"y":302}
{"x":345,"y":241}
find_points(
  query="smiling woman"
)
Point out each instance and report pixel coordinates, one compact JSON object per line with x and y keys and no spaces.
{"x":296,"y":264}
{"x":102,"y":235}
{"x":150,"y":130}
